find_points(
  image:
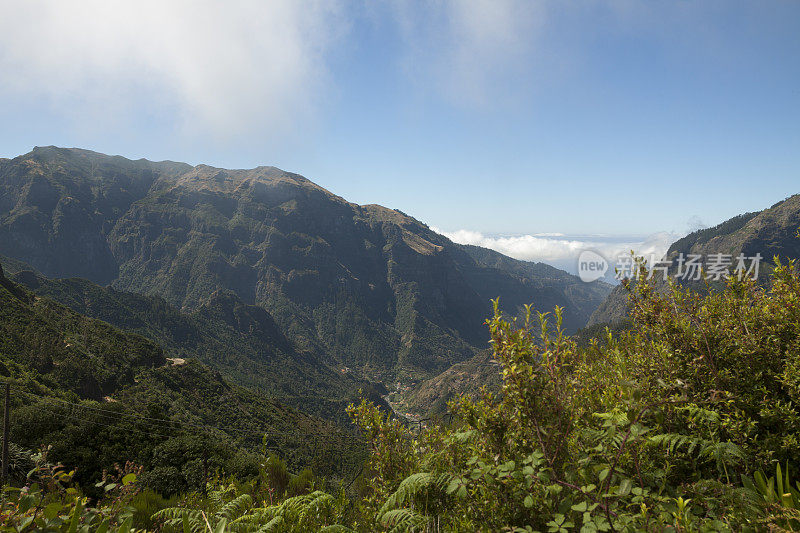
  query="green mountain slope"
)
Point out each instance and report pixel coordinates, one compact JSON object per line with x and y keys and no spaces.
{"x":240,"y":340}
{"x":57,"y":206}
{"x":85,"y":356}
{"x":373,"y":289}
{"x":771,"y":232}
{"x":99,"y":395}
{"x":12,"y":266}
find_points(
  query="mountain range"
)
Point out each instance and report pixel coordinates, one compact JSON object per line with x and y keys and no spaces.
{"x":261,"y":273}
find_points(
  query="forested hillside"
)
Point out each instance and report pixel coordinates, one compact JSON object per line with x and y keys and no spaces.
{"x":200,"y":349}
{"x":97,"y":396}
{"x":241,"y":341}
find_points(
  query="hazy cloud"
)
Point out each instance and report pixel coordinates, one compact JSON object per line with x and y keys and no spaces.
{"x":219,"y":66}
{"x":229,"y":68}
{"x":695,"y":223}
{"x":470,"y":51}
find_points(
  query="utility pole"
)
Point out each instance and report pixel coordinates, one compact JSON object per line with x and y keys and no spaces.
{"x":205,"y":469}
{"x":6,"y":425}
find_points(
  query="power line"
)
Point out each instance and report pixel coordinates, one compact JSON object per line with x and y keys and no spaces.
{"x":79,"y":419}
{"x":112,"y":426}
{"x":116,"y":414}
{"x":110,"y":413}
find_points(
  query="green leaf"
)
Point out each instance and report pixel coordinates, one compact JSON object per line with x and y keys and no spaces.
{"x":453,"y":486}
{"x":76,"y":517}
{"x":579,"y":507}
{"x":528,"y":501}
{"x":625,"y":487}
{"x":126,"y":526}
{"x":52,"y":510}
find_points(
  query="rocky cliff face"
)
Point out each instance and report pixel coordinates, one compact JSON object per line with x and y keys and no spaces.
{"x":58,"y":206}
{"x":373,"y":289}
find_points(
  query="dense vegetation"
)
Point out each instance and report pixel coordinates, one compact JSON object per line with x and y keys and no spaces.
{"x":241,"y":341}
{"x":166,"y":409}
{"x":687,"y":421}
{"x":95,"y":395}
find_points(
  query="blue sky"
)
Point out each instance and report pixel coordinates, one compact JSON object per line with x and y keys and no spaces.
{"x":501,"y":118}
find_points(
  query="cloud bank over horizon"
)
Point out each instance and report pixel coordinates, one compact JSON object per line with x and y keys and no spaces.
{"x":562,"y":250}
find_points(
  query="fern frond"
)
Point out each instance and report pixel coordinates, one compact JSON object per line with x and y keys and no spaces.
{"x":402,"y":520}
{"x":220,"y":496}
{"x":723,"y":452}
{"x":177,"y":516}
{"x":317,"y":504}
{"x":674,"y":441}
{"x":255,"y":514}
{"x":413,"y":486}
{"x":296,"y":504}
{"x":409,"y":487}
{"x":272,"y":525}
{"x":236,"y":507}
{"x":697,"y":414}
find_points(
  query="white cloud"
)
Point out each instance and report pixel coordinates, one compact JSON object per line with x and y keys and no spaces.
{"x":525,"y":247}
{"x":562,"y":251}
{"x":219,"y":66}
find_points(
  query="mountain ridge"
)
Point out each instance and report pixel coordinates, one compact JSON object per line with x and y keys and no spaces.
{"x":770,"y":232}
{"x":374,"y":289}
